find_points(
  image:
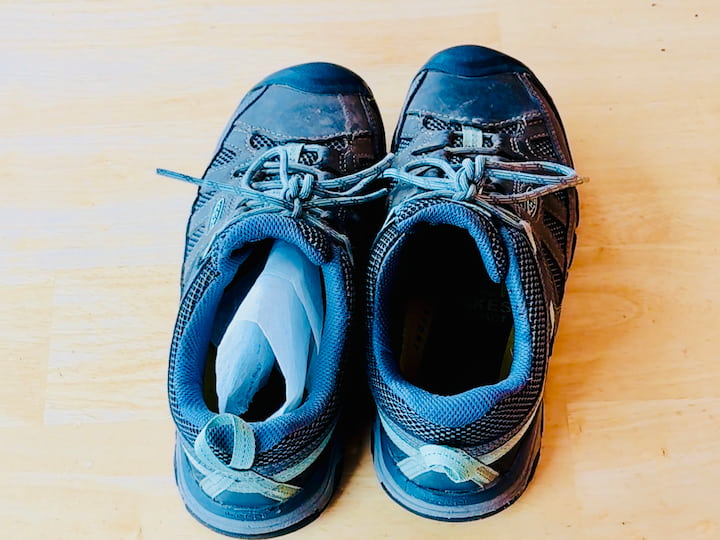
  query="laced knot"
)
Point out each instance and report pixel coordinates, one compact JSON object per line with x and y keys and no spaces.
{"x":485,"y":183}
{"x":468,"y":178}
{"x":298,"y":190}
{"x":275,"y":183}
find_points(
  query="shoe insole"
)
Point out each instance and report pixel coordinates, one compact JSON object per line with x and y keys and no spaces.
{"x":456,"y":323}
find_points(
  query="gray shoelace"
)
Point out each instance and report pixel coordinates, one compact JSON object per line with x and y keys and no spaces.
{"x":477,"y":182}
{"x":274,"y":183}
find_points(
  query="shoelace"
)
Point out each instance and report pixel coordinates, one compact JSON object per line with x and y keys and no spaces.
{"x":294,"y":189}
{"x":471,"y":183}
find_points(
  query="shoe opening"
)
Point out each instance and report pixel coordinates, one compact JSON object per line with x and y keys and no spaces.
{"x":266,"y":332}
{"x":451,"y":326}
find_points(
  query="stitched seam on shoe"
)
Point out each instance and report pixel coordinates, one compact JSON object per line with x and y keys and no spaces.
{"x":549,"y":123}
{"x":279,"y":135}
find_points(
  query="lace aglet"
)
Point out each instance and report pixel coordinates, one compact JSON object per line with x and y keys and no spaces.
{"x":178,"y":176}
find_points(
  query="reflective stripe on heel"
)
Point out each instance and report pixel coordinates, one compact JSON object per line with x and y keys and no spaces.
{"x":261,"y":522}
{"x":467,"y":501}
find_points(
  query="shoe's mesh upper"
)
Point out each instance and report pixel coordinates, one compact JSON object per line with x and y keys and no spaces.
{"x":258,"y":141}
{"x":296,"y":444}
{"x":433,"y":123}
{"x":437,"y":124}
{"x":556,"y":272}
{"x":194,"y":237}
{"x":543,"y":148}
{"x":338,"y":144}
{"x":403,"y":144}
{"x":195,"y":233}
{"x":308,"y":158}
{"x":222,"y":438}
{"x":556,"y":228}
{"x":223,"y":157}
{"x":179,"y":395}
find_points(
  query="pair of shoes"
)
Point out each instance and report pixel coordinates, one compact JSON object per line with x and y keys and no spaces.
{"x":463,"y":235}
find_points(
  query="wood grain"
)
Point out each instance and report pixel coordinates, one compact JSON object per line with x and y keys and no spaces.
{"x":95,"y":95}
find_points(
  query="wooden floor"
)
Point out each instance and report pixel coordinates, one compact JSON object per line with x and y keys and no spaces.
{"x":95,"y":95}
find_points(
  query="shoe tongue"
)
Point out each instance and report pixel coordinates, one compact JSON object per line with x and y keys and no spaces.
{"x":486,"y":234}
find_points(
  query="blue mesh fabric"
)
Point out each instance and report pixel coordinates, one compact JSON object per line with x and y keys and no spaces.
{"x":480,"y":417}
{"x":287,"y":439}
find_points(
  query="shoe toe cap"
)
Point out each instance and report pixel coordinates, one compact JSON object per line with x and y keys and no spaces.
{"x":473,"y":61}
{"x":318,"y":78}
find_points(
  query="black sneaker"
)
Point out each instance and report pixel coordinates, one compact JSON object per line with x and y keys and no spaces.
{"x":465,"y":284}
{"x":297,"y":164}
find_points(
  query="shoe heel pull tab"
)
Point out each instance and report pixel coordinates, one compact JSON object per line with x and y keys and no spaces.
{"x":236,"y":476}
{"x":243,"y":447}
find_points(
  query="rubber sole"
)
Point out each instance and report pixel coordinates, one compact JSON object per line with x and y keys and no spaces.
{"x":511,"y":486}
{"x":281,"y":524}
